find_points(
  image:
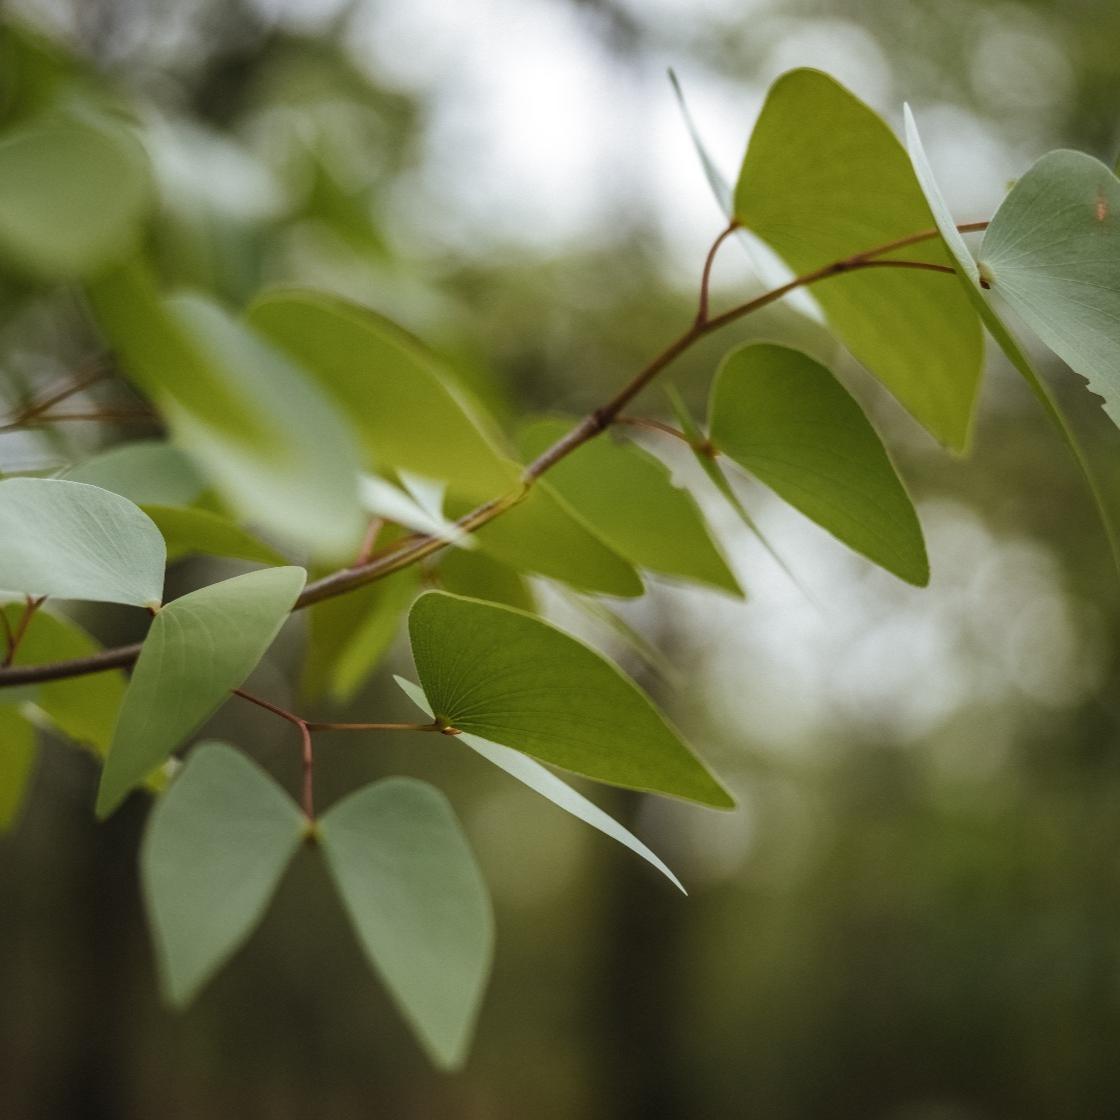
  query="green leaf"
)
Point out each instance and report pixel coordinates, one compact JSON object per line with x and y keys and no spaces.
{"x":968,"y":273}
{"x":544,"y":782}
{"x":1052,"y":252}
{"x":418,"y":904}
{"x":543,"y":534}
{"x":823,"y":179}
{"x":17,"y":761}
{"x":628,"y":498}
{"x":508,"y":677}
{"x":213,"y":853}
{"x":479,"y":576}
{"x":199,"y":530}
{"x":82,"y":708}
{"x":788,"y":421}
{"x":198,"y":648}
{"x":70,"y":540}
{"x":145,"y":472}
{"x":274,"y":447}
{"x":410,"y":413}
{"x":72,"y":196}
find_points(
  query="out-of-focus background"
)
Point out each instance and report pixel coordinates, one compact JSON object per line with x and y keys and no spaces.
{"x":915,"y":912}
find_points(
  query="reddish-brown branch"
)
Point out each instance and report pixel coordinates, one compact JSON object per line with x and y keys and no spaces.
{"x":15,"y":635}
{"x":706,"y":276}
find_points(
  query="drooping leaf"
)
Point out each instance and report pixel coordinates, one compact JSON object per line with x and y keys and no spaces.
{"x":968,"y":273}
{"x":410,"y":413}
{"x":478,"y":576}
{"x":145,"y":472}
{"x":543,"y":534}
{"x":214,"y":850}
{"x":82,"y":708}
{"x":627,"y":496}
{"x":72,"y":196}
{"x":543,"y":781}
{"x":272,"y":445}
{"x":824,"y":179}
{"x":418,"y":904}
{"x":788,"y":421}
{"x":199,"y":647}
{"x":199,"y":530}
{"x":511,"y":678}
{"x":17,"y":762}
{"x":70,"y":540}
{"x":1052,"y":252}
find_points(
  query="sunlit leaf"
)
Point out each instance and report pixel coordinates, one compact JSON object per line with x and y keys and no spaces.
{"x":418,"y":904}
{"x":511,"y":678}
{"x":788,"y":421}
{"x":628,"y":498}
{"x":199,"y":530}
{"x":17,"y":762}
{"x":409,"y":411}
{"x":70,"y":540}
{"x":823,"y":179}
{"x":198,"y":648}
{"x":543,"y":781}
{"x":147,"y":471}
{"x":215,"y":848}
{"x":72,"y":196}
{"x":382,"y":499}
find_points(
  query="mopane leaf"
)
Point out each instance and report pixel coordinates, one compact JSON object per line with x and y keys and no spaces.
{"x":506,"y":676}
{"x":147,"y":471}
{"x":627,"y":496}
{"x":17,"y":761}
{"x":409,"y":411}
{"x":1052,"y":252}
{"x":214,"y":850}
{"x":72,"y":196}
{"x":276,"y":450}
{"x":418,"y":904}
{"x":82,"y":708}
{"x":823,"y":179}
{"x":198,"y":648}
{"x":543,"y":781}
{"x":479,"y":576}
{"x":788,"y":421}
{"x":70,"y":540}
{"x":199,"y":530}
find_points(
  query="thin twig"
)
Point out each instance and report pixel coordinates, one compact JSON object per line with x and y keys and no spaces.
{"x":31,"y":605}
{"x":706,"y":276}
{"x":653,"y":426}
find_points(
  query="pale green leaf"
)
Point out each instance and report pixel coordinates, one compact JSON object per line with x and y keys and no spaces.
{"x":408,"y":409}
{"x":823,"y":179}
{"x":71,"y":540}
{"x":72,"y":196}
{"x":147,"y":471}
{"x":17,"y":761}
{"x":199,"y":647}
{"x":213,"y":853}
{"x":787,"y":420}
{"x":418,"y":904}
{"x":627,"y":496}
{"x":1052,"y":253}
{"x":543,"y":781}
{"x":382,"y":499}
{"x":511,"y":678}
{"x":200,"y":530}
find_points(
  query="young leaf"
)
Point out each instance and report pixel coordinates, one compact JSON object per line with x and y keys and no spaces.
{"x":506,"y":676}
{"x":17,"y":761}
{"x":72,"y":196}
{"x":418,"y":905}
{"x":627,"y":496}
{"x":789,"y":422}
{"x":147,"y":471}
{"x":395,"y":505}
{"x":410,"y":413}
{"x":1052,"y":252}
{"x":823,"y":179}
{"x":70,"y":540}
{"x":543,"y":781}
{"x":273,"y":446}
{"x":198,"y":648}
{"x":199,"y":530}
{"x":213,"y":853}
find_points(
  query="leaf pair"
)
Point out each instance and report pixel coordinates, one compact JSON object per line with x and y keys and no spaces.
{"x":219,"y":841}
